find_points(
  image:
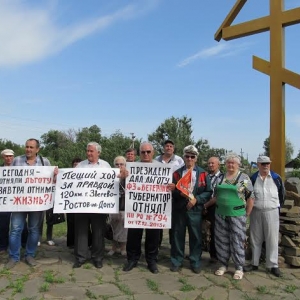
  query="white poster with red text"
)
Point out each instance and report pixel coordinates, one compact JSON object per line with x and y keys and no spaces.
{"x":26,"y":188}
{"x":148,"y":202}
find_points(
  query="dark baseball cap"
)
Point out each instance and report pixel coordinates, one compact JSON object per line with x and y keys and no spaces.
{"x":169,"y":142}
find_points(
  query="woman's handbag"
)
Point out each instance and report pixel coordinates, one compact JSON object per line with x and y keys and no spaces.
{"x":53,"y":219}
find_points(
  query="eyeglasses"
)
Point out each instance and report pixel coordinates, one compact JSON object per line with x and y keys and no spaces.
{"x":264,"y":164}
{"x":190,"y":156}
{"x":147,"y":151}
{"x":119,"y":164}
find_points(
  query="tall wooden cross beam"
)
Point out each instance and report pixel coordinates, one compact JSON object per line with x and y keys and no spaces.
{"x":275,"y":68}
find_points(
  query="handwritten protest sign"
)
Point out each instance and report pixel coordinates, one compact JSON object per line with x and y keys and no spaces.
{"x":147,"y":201}
{"x":26,"y":188}
{"x":87,"y":190}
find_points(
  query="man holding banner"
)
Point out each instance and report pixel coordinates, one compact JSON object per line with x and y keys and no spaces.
{"x":83,"y":221}
{"x":18,"y":218}
{"x":193,"y":190}
{"x":143,"y":209}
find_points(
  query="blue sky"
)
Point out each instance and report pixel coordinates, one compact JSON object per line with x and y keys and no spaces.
{"x":129,"y":65}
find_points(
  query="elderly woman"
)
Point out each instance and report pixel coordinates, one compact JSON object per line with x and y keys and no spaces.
{"x":117,"y":220}
{"x":187,"y":205}
{"x":234,"y":202}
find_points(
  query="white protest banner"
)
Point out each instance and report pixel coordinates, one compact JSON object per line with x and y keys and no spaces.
{"x":147,"y":201}
{"x":87,"y":190}
{"x":26,"y":188}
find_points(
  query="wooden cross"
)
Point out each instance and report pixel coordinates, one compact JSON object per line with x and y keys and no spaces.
{"x":279,"y":76}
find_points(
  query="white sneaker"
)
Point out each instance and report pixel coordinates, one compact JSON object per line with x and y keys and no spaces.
{"x":111,"y":253}
{"x":39,"y":244}
{"x":50,"y":243}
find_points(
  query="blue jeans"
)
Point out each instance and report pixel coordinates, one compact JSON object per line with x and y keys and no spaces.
{"x":17,"y":223}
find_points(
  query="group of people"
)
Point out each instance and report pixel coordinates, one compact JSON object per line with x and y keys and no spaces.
{"x":226,"y":200}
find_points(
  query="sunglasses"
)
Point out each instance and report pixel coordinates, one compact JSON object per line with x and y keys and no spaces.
{"x":147,"y":151}
{"x":119,"y":164}
{"x":190,"y":156}
{"x":264,"y":164}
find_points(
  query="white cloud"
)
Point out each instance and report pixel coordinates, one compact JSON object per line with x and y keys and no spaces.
{"x":30,"y":34}
{"x":220,"y":50}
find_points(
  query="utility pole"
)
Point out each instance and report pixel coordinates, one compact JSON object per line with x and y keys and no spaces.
{"x":132,"y":140}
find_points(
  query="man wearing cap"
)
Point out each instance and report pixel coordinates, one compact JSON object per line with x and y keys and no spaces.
{"x":7,"y":156}
{"x":187,"y":210}
{"x":168,"y":157}
{"x":264,"y":219}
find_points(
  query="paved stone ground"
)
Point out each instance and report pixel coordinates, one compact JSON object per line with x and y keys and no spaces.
{"x":54,"y":278}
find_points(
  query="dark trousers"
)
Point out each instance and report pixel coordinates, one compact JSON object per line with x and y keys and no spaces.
{"x":4,"y":230}
{"x":49,"y":230}
{"x":211,"y":218}
{"x":134,"y":243}
{"x":83,"y":223}
{"x":71,"y":231}
{"x":192,"y":220}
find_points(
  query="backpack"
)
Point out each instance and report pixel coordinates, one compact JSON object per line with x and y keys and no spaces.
{"x":277,"y":180}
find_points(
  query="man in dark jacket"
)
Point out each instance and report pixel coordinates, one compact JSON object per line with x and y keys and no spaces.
{"x":187,"y":205}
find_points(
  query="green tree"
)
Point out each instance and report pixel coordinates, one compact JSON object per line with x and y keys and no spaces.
{"x":7,"y":144}
{"x":60,"y":147}
{"x":179,"y":130}
{"x":289,"y":149}
{"x":114,"y":145}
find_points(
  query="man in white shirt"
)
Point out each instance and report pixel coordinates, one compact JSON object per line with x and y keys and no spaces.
{"x":83,"y":221}
{"x":168,"y":157}
{"x":264,"y":219}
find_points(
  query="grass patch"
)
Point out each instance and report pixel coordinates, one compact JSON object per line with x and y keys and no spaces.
{"x":247,"y":297}
{"x":185,"y":286}
{"x":87,"y":266}
{"x":117,"y":275}
{"x":100,"y":279}
{"x":262,"y":289}
{"x":124,"y":288}
{"x":44,"y":287}
{"x":90,"y":294}
{"x":4,"y":272}
{"x":290,"y":288}
{"x":51,"y":278}
{"x":18,"y":284}
{"x":153,"y":286}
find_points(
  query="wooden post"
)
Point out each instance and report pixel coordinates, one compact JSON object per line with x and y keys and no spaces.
{"x":279,"y":76}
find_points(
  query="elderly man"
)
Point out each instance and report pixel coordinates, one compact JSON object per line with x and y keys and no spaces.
{"x":83,"y":221}
{"x":187,"y":210}
{"x":134,"y":237}
{"x":8,"y":157}
{"x":130,"y":154}
{"x":18,"y":219}
{"x":264,"y":219}
{"x":214,"y":174}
